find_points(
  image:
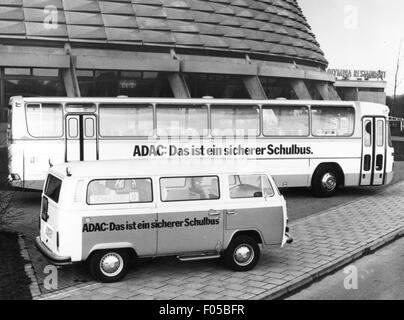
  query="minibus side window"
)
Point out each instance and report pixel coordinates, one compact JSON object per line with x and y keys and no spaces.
{"x":250,"y":186}
{"x":189,"y":188}
{"x":52,"y":189}
{"x":120,"y":191}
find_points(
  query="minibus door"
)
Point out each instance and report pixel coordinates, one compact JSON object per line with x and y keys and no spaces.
{"x":192,"y":231}
{"x":373,"y":151}
{"x":81,"y":138}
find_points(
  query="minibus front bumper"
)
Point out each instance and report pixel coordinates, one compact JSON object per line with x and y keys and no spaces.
{"x":52,"y":257}
{"x":288,"y":236}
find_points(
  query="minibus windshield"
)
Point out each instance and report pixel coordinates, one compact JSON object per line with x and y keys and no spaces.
{"x":52,"y":188}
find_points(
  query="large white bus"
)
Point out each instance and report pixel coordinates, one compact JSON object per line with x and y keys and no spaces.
{"x":318,"y":144}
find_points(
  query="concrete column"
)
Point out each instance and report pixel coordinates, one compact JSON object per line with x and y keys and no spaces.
{"x":3,"y":103}
{"x":70,"y":77}
{"x":69,"y":83}
{"x":327,"y":91}
{"x":178,"y":85}
{"x":300,"y":89}
{"x":333,"y":92}
{"x":322,"y":89}
{"x":254,"y":87}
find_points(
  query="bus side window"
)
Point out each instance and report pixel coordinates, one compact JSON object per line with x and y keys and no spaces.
{"x":182,"y":120}
{"x":380,"y":133}
{"x":45,"y":120}
{"x":368,"y":134}
{"x":73,"y":127}
{"x":235,"y":120}
{"x":89,"y":128}
{"x":328,"y":121}
{"x":125,"y":120}
{"x":286,"y":121}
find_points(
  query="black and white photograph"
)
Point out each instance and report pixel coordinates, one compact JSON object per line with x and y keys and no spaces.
{"x":202,"y":154}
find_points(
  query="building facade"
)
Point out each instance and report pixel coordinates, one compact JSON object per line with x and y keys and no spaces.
{"x":360,"y":85}
{"x":162,"y":48}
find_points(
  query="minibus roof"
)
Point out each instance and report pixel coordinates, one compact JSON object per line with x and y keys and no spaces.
{"x":151,"y":167}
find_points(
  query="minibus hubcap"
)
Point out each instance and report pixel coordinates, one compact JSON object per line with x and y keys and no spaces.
{"x":244,"y":254}
{"x":111,"y":264}
{"x":329,"y":181}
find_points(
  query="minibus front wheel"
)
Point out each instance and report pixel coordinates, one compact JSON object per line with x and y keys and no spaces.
{"x":242,"y":254}
{"x":109,"y":265}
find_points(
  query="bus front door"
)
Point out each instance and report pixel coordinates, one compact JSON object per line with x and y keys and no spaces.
{"x":81,"y":138}
{"x":373,"y":151}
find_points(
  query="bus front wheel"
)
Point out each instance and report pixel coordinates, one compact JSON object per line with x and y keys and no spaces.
{"x":109,"y":265}
{"x":325,"y":181}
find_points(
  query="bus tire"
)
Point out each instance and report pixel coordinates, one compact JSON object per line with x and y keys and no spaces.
{"x":325,"y":181}
{"x":109,"y":265}
{"x":242,"y":254}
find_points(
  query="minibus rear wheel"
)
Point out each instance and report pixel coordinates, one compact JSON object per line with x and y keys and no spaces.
{"x":242,"y":254}
{"x":109,"y":265}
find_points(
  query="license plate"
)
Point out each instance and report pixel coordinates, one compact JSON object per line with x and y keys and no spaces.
{"x":49,"y":232}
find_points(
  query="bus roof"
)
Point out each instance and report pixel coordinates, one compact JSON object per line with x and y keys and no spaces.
{"x":152,"y":167}
{"x":178,"y":100}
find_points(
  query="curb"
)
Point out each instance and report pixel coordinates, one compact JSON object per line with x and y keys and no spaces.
{"x":29,"y":269}
{"x":309,"y":278}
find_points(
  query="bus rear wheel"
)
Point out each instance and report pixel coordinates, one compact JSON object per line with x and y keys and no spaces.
{"x":109,"y":265}
{"x":325,"y":181}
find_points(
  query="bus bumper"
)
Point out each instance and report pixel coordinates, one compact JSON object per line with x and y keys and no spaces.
{"x":389,"y":177}
{"x":52,"y":257}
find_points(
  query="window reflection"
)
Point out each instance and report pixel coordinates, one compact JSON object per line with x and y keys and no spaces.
{"x":106,"y":83}
{"x":182,"y":120}
{"x":332,"y":121}
{"x":45,"y":120}
{"x":126,"y":120}
{"x":285,"y":121}
{"x":235,"y":120}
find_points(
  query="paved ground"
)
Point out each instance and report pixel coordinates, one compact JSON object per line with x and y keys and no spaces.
{"x":14,"y":283}
{"x":301,"y":203}
{"x":380,"y":276}
{"x":321,"y":242}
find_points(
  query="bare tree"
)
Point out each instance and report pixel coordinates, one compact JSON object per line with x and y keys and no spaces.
{"x":6,"y":198}
{"x":397,"y":82}
{"x":6,"y":194}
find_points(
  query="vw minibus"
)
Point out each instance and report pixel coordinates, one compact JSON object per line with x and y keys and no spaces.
{"x":107,"y":212}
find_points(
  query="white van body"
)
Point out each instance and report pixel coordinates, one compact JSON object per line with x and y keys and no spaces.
{"x":179,"y":217}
